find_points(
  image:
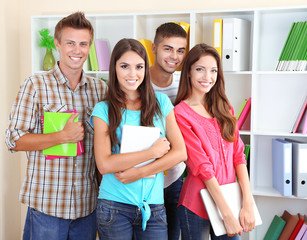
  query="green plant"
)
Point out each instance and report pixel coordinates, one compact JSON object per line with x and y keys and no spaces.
{"x":46,"y":40}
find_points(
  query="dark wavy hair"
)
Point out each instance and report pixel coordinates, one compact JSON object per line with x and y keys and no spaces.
{"x":216,"y":101}
{"x":116,"y":98}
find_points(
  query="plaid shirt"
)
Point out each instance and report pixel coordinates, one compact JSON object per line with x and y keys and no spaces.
{"x":62,"y":187}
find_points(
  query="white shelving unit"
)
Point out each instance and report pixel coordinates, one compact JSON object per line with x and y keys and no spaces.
{"x":276,"y":96}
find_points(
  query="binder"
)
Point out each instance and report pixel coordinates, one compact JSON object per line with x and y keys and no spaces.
{"x":299,"y":168}
{"x":233,"y":196}
{"x":236,"y":44}
{"x":275,"y":228}
{"x":218,"y":35}
{"x":138,"y":138}
{"x":245,"y":112}
{"x":103,"y":55}
{"x":147,"y":45}
{"x":282,"y":166}
{"x":54,"y":122}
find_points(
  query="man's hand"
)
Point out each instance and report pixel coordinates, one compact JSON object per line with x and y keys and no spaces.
{"x":73,"y":131}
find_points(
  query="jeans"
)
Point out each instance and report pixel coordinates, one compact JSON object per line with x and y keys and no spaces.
{"x":194,"y":227}
{"x":42,"y":226}
{"x":120,"y":221}
{"x":171,"y":197}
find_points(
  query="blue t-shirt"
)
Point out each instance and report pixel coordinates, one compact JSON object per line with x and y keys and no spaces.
{"x":146,"y":190}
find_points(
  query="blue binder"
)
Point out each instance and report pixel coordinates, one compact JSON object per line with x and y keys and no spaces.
{"x":282,"y":166}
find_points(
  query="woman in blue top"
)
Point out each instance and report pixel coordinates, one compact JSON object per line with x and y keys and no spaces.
{"x":131,"y":205}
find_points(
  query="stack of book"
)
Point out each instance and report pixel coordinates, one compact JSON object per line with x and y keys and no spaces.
{"x":99,"y":56}
{"x":243,"y":115}
{"x":293,"y":56}
{"x":287,"y":227}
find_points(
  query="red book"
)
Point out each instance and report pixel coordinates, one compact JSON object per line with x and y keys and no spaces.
{"x":244,"y":113}
{"x":297,"y":227}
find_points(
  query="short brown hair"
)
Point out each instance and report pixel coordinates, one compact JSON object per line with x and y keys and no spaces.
{"x":167,"y":30}
{"x":75,"y":20}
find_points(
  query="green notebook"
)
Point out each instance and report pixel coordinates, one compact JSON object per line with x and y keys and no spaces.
{"x":275,"y":229}
{"x":241,"y":108}
{"x":55,"y":122}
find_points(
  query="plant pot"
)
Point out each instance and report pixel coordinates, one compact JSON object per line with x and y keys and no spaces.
{"x":49,"y":60}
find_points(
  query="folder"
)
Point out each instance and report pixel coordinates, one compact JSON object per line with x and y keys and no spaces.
{"x":218,"y":35}
{"x":282,"y":166}
{"x":236,"y":44}
{"x":54,"y":122}
{"x":245,"y":112}
{"x":93,"y":58}
{"x":138,"y":138}
{"x":299,"y":168}
{"x":103,"y":55}
{"x":147,"y":45}
{"x":275,"y":228}
{"x":233,"y":196}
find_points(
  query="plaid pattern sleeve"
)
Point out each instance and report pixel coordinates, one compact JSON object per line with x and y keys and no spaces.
{"x":62,"y":187}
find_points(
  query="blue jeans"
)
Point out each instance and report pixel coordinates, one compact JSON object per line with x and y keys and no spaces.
{"x":194,"y":227}
{"x":120,"y":221}
{"x":41,"y":226}
{"x":171,"y":197}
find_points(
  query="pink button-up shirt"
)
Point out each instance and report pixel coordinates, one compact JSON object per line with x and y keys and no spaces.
{"x":209,"y":155}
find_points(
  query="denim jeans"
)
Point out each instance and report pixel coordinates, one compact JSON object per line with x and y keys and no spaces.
{"x":40,"y":226}
{"x":194,"y":227}
{"x":120,"y":221}
{"x":171,"y":197}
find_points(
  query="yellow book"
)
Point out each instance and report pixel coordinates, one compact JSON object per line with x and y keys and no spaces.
{"x":218,"y":35}
{"x":147,"y":45}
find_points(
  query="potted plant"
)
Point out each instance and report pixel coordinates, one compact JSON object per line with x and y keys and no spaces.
{"x":47,"y":42}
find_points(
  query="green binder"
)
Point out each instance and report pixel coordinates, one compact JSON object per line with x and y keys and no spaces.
{"x":55,"y":122}
{"x":275,"y":229}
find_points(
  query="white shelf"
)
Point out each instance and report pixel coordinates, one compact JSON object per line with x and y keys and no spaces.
{"x":276,"y":96}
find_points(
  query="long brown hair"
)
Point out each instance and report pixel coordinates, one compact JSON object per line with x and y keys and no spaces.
{"x":117,"y":98}
{"x":216,"y":101}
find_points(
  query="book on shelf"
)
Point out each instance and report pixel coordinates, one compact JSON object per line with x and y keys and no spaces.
{"x":103,"y":54}
{"x":247,"y":156}
{"x":302,"y":233}
{"x":291,"y":222}
{"x":147,"y":45}
{"x":293,"y":54}
{"x":297,"y":227}
{"x":275,"y":228}
{"x":241,"y":108}
{"x":93,"y":58}
{"x":244,"y":114}
{"x":300,"y":122}
{"x":55,"y":122}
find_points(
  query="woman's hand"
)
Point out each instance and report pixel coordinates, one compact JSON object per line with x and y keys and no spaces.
{"x":128,"y":176}
{"x":247,"y":218}
{"x":161,"y":147}
{"x":232,"y":226}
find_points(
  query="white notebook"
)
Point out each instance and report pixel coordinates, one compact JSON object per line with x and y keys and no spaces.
{"x":233,"y":196}
{"x":138,"y":138}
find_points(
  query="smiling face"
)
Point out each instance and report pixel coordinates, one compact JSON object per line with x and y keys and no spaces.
{"x":203,"y":74}
{"x":73,"y":48}
{"x":130,"y":71}
{"x":170,"y":53}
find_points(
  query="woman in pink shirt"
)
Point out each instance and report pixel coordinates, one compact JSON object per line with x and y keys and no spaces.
{"x":214,"y":147}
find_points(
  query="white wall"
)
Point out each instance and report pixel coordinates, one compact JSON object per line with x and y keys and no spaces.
{"x":15,"y":66}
